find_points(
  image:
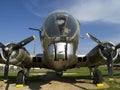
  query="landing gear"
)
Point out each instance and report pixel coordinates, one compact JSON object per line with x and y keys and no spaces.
{"x":96,"y":75}
{"x":59,"y":74}
{"x":20,"y":80}
{"x":21,"y":77}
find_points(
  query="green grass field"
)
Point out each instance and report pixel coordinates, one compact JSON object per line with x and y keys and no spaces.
{"x":81,"y":73}
{"x":114,"y":85}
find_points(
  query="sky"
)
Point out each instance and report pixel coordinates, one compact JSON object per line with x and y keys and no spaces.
{"x":101,"y":18}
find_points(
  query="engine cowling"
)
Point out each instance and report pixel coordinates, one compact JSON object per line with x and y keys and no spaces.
{"x":104,"y":52}
{"x":16,"y":56}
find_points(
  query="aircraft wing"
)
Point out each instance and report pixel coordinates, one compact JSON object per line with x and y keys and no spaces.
{"x":92,"y":59}
{"x":37,"y":61}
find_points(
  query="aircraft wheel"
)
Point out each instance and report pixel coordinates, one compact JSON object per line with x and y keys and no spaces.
{"x":20,"y":78}
{"x":59,"y":74}
{"x":97,"y":76}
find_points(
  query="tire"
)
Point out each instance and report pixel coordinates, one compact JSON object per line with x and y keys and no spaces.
{"x":97,"y":77}
{"x":20,"y":79}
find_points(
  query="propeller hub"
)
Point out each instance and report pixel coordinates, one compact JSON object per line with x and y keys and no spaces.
{"x":6,"y":49}
{"x":109,"y":49}
{"x":113,"y":48}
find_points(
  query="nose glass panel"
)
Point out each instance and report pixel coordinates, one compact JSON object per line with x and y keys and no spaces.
{"x":60,"y":24}
{"x":60,"y":51}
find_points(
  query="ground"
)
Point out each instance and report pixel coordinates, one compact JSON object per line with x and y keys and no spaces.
{"x":49,"y":81}
{"x":73,"y":79}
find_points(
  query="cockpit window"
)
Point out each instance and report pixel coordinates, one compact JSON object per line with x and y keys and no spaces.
{"x":50,"y":27}
{"x":60,"y":24}
{"x":71,"y":25}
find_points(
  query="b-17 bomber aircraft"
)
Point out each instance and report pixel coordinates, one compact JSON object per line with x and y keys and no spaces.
{"x":59,"y":37}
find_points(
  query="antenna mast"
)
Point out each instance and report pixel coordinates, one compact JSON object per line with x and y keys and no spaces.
{"x":34,"y":49}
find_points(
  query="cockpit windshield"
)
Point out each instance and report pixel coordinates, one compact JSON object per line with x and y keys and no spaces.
{"x":60,"y":24}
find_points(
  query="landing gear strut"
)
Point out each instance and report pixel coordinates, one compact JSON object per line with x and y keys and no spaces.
{"x":59,"y":74}
{"x":91,"y":73}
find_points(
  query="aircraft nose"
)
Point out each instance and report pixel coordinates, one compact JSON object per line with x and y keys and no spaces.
{"x":60,"y":51}
{"x":61,"y":24}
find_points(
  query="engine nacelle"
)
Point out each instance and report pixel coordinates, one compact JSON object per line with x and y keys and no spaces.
{"x":17,"y":56}
{"x":98,"y":55}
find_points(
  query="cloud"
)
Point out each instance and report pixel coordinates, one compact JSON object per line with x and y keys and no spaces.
{"x":85,"y":10}
{"x":97,"y":10}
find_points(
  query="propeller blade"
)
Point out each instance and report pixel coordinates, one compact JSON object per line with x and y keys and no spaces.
{"x":110,"y":65}
{"x":6,"y":70}
{"x":2,"y":45}
{"x":35,"y":29}
{"x":24,"y":42}
{"x":117,"y":46}
{"x":95,"y":39}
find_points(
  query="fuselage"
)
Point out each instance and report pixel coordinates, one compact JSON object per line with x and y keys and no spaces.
{"x":59,"y":37}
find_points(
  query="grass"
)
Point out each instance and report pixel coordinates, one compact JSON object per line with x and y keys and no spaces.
{"x":114,"y":85}
{"x":82,"y":73}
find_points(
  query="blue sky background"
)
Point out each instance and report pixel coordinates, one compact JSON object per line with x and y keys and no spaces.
{"x":98,"y":17}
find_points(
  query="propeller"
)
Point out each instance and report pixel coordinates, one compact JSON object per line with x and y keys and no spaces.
{"x":8,"y":51}
{"x":24,"y":42}
{"x":109,"y":49}
{"x":2,"y":45}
